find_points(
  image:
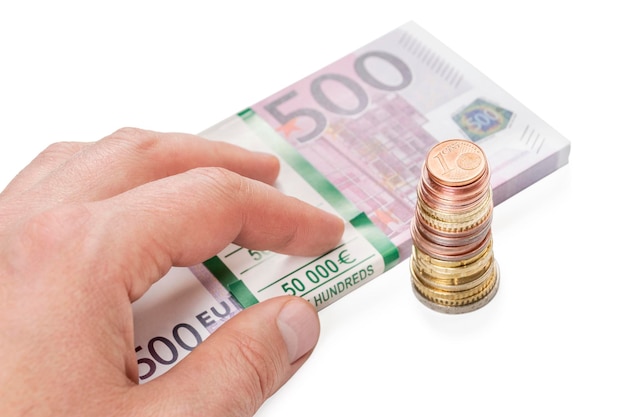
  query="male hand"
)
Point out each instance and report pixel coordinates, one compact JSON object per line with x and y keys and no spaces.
{"x":85,"y":230}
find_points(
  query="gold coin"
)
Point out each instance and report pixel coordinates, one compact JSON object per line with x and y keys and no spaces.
{"x":451,"y":282}
{"x":467,"y":214}
{"x":456,"y":296}
{"x":456,"y":223}
{"x":439,"y":276}
{"x":470,"y":301}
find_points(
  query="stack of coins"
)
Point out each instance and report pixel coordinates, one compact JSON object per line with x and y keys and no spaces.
{"x":452,"y":266}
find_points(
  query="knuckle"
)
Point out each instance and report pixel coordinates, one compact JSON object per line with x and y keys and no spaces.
{"x":59,"y":151}
{"x":134,"y":139}
{"x":216,"y":174}
{"x":52,"y":230}
{"x":230,"y":185}
{"x":128,"y":133}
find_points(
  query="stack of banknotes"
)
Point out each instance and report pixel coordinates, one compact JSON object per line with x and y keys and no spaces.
{"x":352,"y":139}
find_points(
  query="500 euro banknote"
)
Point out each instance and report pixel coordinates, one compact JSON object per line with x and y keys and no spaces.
{"x":352,"y":139}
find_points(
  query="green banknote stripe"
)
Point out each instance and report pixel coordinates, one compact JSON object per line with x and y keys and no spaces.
{"x":236,"y":287}
{"x":335,"y":198}
{"x":344,"y":207}
{"x":383,"y":245}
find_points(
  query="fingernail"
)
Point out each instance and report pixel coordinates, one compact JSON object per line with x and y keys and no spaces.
{"x":299,"y":325}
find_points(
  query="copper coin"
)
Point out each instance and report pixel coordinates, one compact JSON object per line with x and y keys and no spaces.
{"x":456,"y":162}
{"x":458,"y":196}
{"x":423,"y":258}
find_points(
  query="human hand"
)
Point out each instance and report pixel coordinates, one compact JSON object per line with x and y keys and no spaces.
{"x":85,"y":230}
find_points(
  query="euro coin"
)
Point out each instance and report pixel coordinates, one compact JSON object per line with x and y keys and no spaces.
{"x":453,"y":267}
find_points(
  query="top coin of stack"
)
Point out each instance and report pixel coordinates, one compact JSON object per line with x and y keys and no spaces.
{"x":452,"y":265}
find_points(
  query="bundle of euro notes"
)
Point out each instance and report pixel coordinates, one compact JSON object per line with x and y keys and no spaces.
{"x":352,"y":139}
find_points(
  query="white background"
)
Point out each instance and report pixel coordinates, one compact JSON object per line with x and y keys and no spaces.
{"x":550,"y":343}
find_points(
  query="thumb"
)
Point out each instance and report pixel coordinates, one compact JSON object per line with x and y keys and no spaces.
{"x":240,"y":365}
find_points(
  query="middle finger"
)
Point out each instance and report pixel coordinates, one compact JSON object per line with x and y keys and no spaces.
{"x":132,"y":157}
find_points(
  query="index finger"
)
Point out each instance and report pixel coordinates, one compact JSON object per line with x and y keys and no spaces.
{"x":187,"y":218}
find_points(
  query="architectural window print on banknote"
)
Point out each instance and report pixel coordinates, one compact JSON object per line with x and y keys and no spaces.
{"x":351,"y":137}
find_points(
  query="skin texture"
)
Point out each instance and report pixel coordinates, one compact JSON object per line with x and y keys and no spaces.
{"x":86,"y":228}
